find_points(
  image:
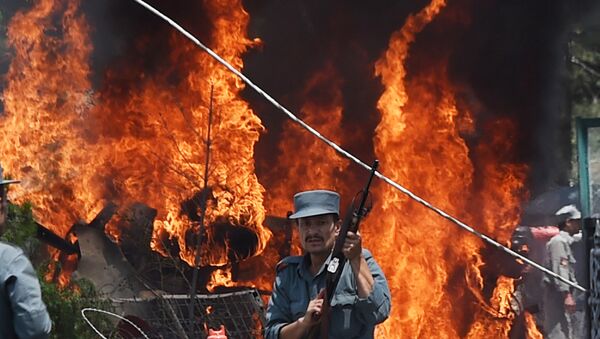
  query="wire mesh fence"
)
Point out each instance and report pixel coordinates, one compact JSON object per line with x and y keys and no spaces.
{"x":242,"y":314}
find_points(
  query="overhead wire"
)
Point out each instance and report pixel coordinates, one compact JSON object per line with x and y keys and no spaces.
{"x":350,"y":156}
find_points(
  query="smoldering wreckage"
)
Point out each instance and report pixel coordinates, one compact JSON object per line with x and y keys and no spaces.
{"x":125,"y":151}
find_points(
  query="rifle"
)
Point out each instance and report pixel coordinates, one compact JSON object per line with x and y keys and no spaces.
{"x":338,"y":259}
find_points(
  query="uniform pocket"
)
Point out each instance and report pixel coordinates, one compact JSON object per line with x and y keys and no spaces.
{"x":345,"y":293}
{"x":345,"y":298}
{"x":343,"y":319}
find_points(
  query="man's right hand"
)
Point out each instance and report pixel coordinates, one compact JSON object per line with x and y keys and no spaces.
{"x":569,"y":303}
{"x":313,"y":313}
{"x":299,"y":328}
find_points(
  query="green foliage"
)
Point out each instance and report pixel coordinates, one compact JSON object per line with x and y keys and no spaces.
{"x":584,"y":59}
{"x":20,"y":228}
{"x":585,"y":70}
{"x":584,"y":85}
{"x":63,"y":304}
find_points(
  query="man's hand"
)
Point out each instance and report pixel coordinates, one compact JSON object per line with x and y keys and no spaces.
{"x":353,"y":252}
{"x":352,"y":246}
{"x":299,"y":328}
{"x":569,"y":303}
{"x":313,"y":313}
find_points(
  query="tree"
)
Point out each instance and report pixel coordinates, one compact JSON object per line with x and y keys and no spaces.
{"x":584,"y":59}
{"x":584,"y":84}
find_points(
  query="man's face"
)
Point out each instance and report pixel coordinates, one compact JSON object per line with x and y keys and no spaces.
{"x":572,"y":226}
{"x":317,"y":234}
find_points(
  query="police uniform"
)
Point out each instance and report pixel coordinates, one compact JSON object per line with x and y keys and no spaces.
{"x":352,"y":317}
{"x":22,"y":312}
{"x":559,"y":259}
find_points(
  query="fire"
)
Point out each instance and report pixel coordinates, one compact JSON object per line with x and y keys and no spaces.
{"x":139,"y":138}
{"x":433,"y":269}
{"x":532,"y":330}
{"x":305,"y":162}
{"x":219,"y":277}
{"x":495,"y":320}
{"x":169,"y":152}
{"x":48,"y":94}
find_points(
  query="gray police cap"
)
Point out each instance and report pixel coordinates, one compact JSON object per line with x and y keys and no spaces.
{"x":317,"y":202}
{"x":568,"y":212}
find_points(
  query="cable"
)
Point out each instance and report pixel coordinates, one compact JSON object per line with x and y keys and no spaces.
{"x":111,"y":314}
{"x":352,"y":157}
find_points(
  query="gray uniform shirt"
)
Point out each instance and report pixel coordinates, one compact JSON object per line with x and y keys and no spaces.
{"x":560,"y":259}
{"x":22,"y":312}
{"x":351,"y":316}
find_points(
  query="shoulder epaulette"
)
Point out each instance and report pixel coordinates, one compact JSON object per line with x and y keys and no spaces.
{"x":287,"y":261}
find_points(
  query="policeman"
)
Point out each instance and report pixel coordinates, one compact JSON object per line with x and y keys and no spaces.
{"x":362,"y":297}
{"x":22,"y":312}
{"x":559,"y":303}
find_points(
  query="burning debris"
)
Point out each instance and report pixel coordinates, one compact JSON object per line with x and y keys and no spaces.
{"x":141,"y":286}
{"x":128,"y":126}
{"x":151,"y":153}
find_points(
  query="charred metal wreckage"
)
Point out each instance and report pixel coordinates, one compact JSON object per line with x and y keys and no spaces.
{"x":125,"y":274}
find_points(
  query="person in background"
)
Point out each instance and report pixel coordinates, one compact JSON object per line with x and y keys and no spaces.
{"x":23,"y":314}
{"x":578,"y":320}
{"x":362,"y":298}
{"x":559,"y":302}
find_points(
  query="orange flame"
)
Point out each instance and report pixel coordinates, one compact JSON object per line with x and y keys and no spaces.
{"x":420,"y":142}
{"x":495,"y":321}
{"x":48,"y":94}
{"x":313,"y":165}
{"x":173,"y":125}
{"x":76,"y":149}
{"x":219,"y":277}
{"x":532,"y":330}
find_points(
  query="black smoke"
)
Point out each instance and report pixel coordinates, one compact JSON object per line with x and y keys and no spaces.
{"x":506,"y":58}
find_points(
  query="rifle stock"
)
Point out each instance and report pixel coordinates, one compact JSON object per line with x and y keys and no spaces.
{"x":336,"y":264}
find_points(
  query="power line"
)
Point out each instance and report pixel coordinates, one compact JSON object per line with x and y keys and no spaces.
{"x":348,"y":155}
